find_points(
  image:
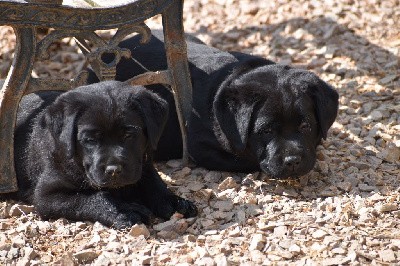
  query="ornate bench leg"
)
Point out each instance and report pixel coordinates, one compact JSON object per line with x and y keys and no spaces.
{"x":176,"y":51}
{"x":10,"y":95}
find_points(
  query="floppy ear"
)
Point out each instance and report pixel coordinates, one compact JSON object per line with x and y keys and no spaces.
{"x":325,"y":100}
{"x":233,"y":106}
{"x":155,"y":113}
{"x":232,"y":118}
{"x":61,"y":123}
{"x":326,"y":105}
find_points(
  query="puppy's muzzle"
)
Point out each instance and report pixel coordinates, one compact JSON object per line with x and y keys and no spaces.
{"x":113,"y":170}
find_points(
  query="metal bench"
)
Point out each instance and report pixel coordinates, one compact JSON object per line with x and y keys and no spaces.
{"x":79,"y":19}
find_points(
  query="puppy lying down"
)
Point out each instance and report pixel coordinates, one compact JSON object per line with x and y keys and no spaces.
{"x":87,"y":155}
{"x":249,"y":114}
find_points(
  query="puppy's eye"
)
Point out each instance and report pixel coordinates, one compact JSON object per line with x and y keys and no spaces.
{"x":128,"y":135}
{"x":131,"y":132}
{"x":267,"y":130}
{"x":90,"y":140}
{"x":305,"y":127}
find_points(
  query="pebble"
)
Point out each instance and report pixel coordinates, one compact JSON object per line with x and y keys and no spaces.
{"x":318,"y":234}
{"x":212,"y":177}
{"x":295,"y":248}
{"x":228,"y":183}
{"x":257,"y":242}
{"x":139,"y":229}
{"x":224,"y":206}
{"x":365,"y":187}
{"x":280,"y":231}
{"x":387,"y":255}
{"x":19,"y":209}
{"x":388,"y":207}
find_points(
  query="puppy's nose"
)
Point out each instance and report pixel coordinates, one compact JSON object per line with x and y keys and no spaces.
{"x":292,"y":162}
{"x":113,"y":170}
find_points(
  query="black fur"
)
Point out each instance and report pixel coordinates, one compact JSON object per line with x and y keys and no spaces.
{"x":87,"y":155}
{"x":249,"y":114}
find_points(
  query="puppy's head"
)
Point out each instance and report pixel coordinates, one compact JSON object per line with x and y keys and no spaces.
{"x":108,"y":129}
{"x":275,"y":116}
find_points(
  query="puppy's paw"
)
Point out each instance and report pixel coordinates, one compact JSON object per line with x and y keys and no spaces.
{"x":185,"y":207}
{"x":131,"y":214}
{"x":125,"y":220}
{"x":173,"y":204}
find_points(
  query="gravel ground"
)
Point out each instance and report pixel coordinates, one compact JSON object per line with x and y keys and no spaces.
{"x":346,"y":211}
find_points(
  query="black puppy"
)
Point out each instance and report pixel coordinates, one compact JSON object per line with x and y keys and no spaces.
{"x":249,"y":114}
{"x":87,"y":155}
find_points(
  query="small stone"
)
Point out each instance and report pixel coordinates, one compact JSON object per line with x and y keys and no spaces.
{"x":294,"y":248}
{"x":360,"y":166}
{"x":167,"y":225}
{"x":66,"y":259}
{"x":18,"y":241}
{"x":18,"y":210}
{"x":366,"y":188}
{"x":139,"y":229}
{"x":224,"y":206}
{"x":318,"y":234}
{"x":182,"y":173}
{"x":23,"y":262}
{"x":213,"y":177}
{"x":221,"y":260}
{"x":189,"y":238}
{"x":387,"y":255}
{"x":388,"y":207}
{"x":102,"y":261}
{"x":339,"y":251}
{"x":195,"y":186}
{"x":205,"y":261}
{"x":376,"y":115}
{"x":145,"y":260}
{"x":85,"y":256}
{"x":257,"y":242}
{"x":228,"y":183}
{"x":203,"y":194}
{"x":280,"y":231}
{"x":346,"y":186}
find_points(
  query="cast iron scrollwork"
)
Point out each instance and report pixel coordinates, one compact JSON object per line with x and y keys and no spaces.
{"x":103,"y":59}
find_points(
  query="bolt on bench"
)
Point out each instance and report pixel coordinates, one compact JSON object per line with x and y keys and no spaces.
{"x":79,"y":19}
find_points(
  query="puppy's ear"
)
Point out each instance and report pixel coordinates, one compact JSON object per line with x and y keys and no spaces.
{"x":232,"y":118}
{"x":325,"y":100}
{"x":233,"y":106}
{"x":155,"y":113}
{"x":61,"y":123}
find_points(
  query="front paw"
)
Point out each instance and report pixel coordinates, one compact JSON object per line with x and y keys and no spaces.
{"x":185,"y":207}
{"x":131,"y":214}
{"x":174,"y":204}
{"x":125,"y":220}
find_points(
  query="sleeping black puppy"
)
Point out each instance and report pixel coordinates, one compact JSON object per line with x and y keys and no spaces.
{"x":87,"y":155}
{"x":249,"y":114}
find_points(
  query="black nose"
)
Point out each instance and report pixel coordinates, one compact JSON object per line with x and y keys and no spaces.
{"x":113,"y":170}
{"x":292,"y":162}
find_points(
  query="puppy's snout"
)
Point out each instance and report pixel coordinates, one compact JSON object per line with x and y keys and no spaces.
{"x":113,"y":170}
{"x":292,"y":162}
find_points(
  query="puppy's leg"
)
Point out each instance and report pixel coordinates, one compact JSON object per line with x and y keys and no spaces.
{"x":159,"y":199}
{"x":55,"y":199}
